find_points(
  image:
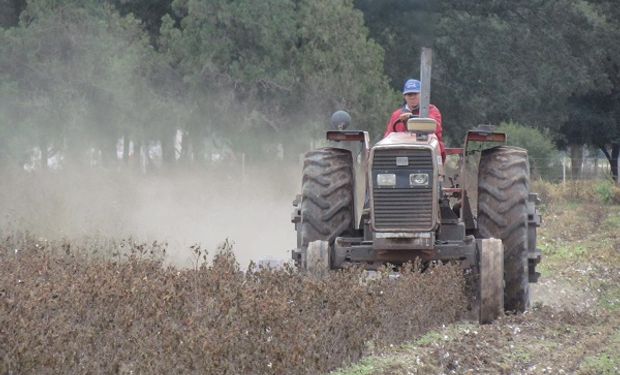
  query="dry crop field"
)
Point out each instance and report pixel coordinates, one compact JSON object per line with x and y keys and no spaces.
{"x":100,"y":305}
{"x":65,"y":310}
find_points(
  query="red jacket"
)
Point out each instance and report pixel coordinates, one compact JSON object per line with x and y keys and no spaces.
{"x":395,"y":125}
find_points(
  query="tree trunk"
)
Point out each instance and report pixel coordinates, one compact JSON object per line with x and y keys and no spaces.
{"x":109,"y":156}
{"x":576,"y":156}
{"x":596,"y":166}
{"x":44,"y":152}
{"x":187,"y":148}
{"x":201,"y":155}
{"x":144,"y":160}
{"x":126,"y":148}
{"x":613,"y":159}
{"x":168,"y":146}
{"x":615,"y":150}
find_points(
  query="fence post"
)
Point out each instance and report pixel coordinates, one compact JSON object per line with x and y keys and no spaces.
{"x":596,"y":174}
{"x":243,"y":167}
{"x":564,"y":170}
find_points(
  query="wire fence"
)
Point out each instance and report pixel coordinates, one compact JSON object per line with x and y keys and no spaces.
{"x":562,"y":169}
{"x":558,"y":168}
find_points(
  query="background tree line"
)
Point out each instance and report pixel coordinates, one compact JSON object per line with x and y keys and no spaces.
{"x":83,"y":79}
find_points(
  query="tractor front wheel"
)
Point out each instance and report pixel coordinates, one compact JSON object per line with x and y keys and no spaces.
{"x":326,"y":200}
{"x":491,"y":277}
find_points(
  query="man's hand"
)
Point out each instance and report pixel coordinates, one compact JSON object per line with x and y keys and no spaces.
{"x":405,"y":116}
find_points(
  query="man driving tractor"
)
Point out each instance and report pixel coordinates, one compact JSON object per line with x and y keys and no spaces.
{"x":411,"y":108}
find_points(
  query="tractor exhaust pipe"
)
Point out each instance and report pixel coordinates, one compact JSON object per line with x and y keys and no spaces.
{"x":425,"y":80}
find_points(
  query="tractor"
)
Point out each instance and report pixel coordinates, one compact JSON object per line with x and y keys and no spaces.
{"x":397,"y":201}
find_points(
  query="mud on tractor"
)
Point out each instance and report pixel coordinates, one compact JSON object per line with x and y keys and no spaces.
{"x":397,"y":201}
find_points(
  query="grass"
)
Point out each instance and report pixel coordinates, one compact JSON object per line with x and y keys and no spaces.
{"x":602,"y":364}
{"x":565,"y":251}
{"x":575,"y":235}
{"x":612,"y":222}
{"x":412,"y":357}
{"x":429,"y":338}
{"x":610,"y":297}
{"x":605,"y":363}
{"x":377,"y":365}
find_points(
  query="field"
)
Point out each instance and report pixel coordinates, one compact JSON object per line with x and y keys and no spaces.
{"x":573,"y":326}
{"x":64,"y":312}
{"x":100,"y":305}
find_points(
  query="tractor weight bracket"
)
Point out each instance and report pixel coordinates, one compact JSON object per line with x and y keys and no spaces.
{"x":347,"y":135}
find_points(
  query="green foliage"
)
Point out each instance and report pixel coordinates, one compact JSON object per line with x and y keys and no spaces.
{"x":9,"y":12}
{"x":275,"y":65}
{"x":429,"y":339}
{"x":549,"y":64}
{"x":523,"y":58}
{"x":402,"y":28}
{"x":601,"y":364}
{"x":566,"y":252}
{"x":367,"y":366}
{"x":150,"y":12}
{"x":72,"y":71}
{"x":77,"y":76}
{"x":610,"y":300}
{"x":605,"y":191}
{"x":612,"y":222}
{"x":542,"y":153}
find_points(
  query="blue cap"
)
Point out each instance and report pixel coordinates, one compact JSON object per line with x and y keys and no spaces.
{"x":412,"y":85}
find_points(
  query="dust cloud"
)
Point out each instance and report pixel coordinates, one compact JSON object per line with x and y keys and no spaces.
{"x":251,"y":207}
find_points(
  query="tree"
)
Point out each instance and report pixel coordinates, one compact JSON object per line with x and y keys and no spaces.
{"x":552,"y":64}
{"x":340,"y":66}
{"x":502,"y":60}
{"x":402,"y":28}
{"x":542,"y":153}
{"x":10,"y":11}
{"x":594,"y":113}
{"x":149,"y":12}
{"x":72,"y":69}
{"x":274,"y":67}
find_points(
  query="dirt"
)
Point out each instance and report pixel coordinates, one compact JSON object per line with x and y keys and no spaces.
{"x":562,"y":294}
{"x":544,"y":340}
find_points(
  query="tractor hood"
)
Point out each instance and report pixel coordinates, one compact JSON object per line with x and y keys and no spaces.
{"x":407,"y":138}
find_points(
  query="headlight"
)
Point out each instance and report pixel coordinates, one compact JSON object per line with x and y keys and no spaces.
{"x":418,"y":179}
{"x":386,"y":179}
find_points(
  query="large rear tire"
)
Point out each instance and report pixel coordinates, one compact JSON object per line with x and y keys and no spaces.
{"x":503,"y":189}
{"x":327,"y":197}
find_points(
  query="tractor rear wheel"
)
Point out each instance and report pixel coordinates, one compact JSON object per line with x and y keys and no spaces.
{"x":327,"y":197}
{"x":503,"y":190}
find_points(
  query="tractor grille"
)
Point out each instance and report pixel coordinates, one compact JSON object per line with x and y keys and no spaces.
{"x":403,"y":208}
{"x":418,"y":159}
